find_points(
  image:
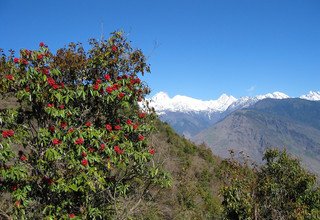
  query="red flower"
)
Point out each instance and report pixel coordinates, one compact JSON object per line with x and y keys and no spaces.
{"x":83,"y":154}
{"x":107,"y":77}
{"x":7,"y":133}
{"x":70,"y":130}
{"x":71,"y":215}
{"x":41,"y":44}
{"x":40,"y":56}
{"x":102,"y":147}
{"x":17,"y":203}
{"x":55,"y":86}
{"x":23,"y":158}
{"x":114,"y":48}
{"x":88,"y":124}
{"x":27,"y":89}
{"x":115,"y":86}
{"x":117,"y":127}
{"x":14,"y":187}
{"x":61,"y":106}
{"x":152,"y":151}
{"x":140,"y":137}
{"x":129,"y":122}
{"x":108,"y":127}
{"x":135,"y":126}
{"x":121,"y":95}
{"x":118,"y":150}
{"x":9,"y":77}
{"x":56,"y":141}
{"x":16,"y":60}
{"x":96,"y":87}
{"x":63,"y":124}
{"x":79,"y":141}
{"x":62,"y":85}
{"x":24,"y":61}
{"x":45,"y":71}
{"x":98,"y":81}
{"x":109,"y":89}
{"x":51,"y":81}
{"x":51,"y":128}
{"x":50,"y":105}
{"x":91,"y":150}
{"x":142,"y":115}
{"x":84,"y":162}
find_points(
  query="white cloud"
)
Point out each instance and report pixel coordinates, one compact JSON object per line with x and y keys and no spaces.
{"x":251,"y":89}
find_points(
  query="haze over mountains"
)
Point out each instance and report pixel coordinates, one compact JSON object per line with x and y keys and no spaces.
{"x":248,"y":124}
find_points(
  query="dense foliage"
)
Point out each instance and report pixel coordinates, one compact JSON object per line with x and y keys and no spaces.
{"x":279,"y":189}
{"x":73,"y":143}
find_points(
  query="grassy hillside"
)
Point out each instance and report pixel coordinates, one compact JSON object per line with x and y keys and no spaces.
{"x":194,"y":192}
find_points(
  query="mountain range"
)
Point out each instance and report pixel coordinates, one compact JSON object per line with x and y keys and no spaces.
{"x":248,"y":124}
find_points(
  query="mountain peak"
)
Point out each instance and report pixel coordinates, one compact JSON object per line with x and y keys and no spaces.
{"x":312,"y":96}
{"x":274,"y":95}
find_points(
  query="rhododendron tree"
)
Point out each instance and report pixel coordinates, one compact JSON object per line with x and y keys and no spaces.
{"x":73,"y":145}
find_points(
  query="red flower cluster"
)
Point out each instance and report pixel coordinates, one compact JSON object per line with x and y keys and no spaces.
{"x":54,"y":84}
{"x":140,"y":137}
{"x":71,"y":215}
{"x":107,"y":77}
{"x":114,"y":48}
{"x":91,"y":150}
{"x":142,"y":114}
{"x":109,"y":127}
{"x":83,"y":154}
{"x":121,"y":95}
{"x":129,"y":122}
{"x":152,"y":151}
{"x":16,"y":60}
{"x":7,"y":133}
{"x":23,"y":158}
{"x":135,"y":81}
{"x":9,"y":77}
{"x":56,"y":141}
{"x":118,"y":150}
{"x":117,"y":127}
{"x":39,"y":56}
{"x":96,"y":86}
{"x":45,"y":71}
{"x":112,"y":88}
{"x":102,"y":147}
{"x":63,"y":125}
{"x":79,"y":141}
{"x":50,"y":105}
{"x":88,"y":124}
{"x":84,"y":162}
{"x":52,"y":128}
{"x":61,"y":106}
{"x":41,"y":44}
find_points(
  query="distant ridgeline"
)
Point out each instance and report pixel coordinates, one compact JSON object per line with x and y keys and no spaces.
{"x":250,"y":125}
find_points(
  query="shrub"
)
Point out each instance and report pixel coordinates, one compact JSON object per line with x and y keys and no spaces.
{"x":73,"y":145}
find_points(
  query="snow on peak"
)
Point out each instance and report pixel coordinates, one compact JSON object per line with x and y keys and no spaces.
{"x":162,"y":102}
{"x":312,"y":96}
{"x":274,"y":95}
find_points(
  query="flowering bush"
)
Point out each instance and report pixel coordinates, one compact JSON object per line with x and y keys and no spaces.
{"x":73,"y":145}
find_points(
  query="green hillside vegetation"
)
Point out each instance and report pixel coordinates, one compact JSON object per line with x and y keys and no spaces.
{"x":195,"y":187}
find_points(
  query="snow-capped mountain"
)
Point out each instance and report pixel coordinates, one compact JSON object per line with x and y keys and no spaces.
{"x":312,"y":96}
{"x":161,"y":102}
{"x":188,"y":116}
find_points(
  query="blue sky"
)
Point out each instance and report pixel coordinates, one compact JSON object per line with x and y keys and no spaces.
{"x":196,"y":48}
